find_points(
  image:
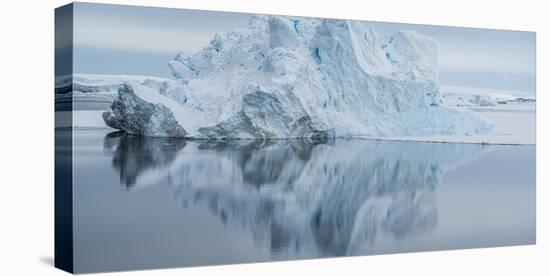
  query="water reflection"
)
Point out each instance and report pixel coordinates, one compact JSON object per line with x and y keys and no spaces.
{"x":299,"y":198}
{"x":134,"y":155}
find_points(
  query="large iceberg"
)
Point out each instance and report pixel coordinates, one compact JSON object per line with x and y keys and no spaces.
{"x":287,"y":77}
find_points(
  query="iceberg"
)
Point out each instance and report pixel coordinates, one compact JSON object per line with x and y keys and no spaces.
{"x":289,"y":77}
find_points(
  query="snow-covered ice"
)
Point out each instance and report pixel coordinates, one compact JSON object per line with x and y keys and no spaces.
{"x":513,"y":114}
{"x":514,"y":124}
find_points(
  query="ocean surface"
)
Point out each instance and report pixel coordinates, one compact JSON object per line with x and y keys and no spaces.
{"x":144,"y":203}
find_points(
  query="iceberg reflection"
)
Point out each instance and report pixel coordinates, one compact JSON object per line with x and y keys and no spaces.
{"x":299,"y":198}
{"x":134,"y":156}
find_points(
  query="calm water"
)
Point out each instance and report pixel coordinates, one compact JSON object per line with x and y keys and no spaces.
{"x":149,"y":203}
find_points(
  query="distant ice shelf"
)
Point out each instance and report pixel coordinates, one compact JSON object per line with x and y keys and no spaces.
{"x":482,"y":97}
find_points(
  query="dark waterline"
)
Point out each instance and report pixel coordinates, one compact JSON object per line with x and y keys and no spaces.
{"x":153,"y":202}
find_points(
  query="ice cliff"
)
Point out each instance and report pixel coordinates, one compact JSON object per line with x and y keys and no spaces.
{"x":284,"y":77}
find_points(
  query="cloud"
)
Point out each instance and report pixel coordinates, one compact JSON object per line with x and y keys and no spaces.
{"x":154,"y":30}
{"x":487,"y":56}
{"x":136,"y":38}
{"x":464,"y":61}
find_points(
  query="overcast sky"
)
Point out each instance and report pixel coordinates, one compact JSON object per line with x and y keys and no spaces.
{"x":112,"y":39}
